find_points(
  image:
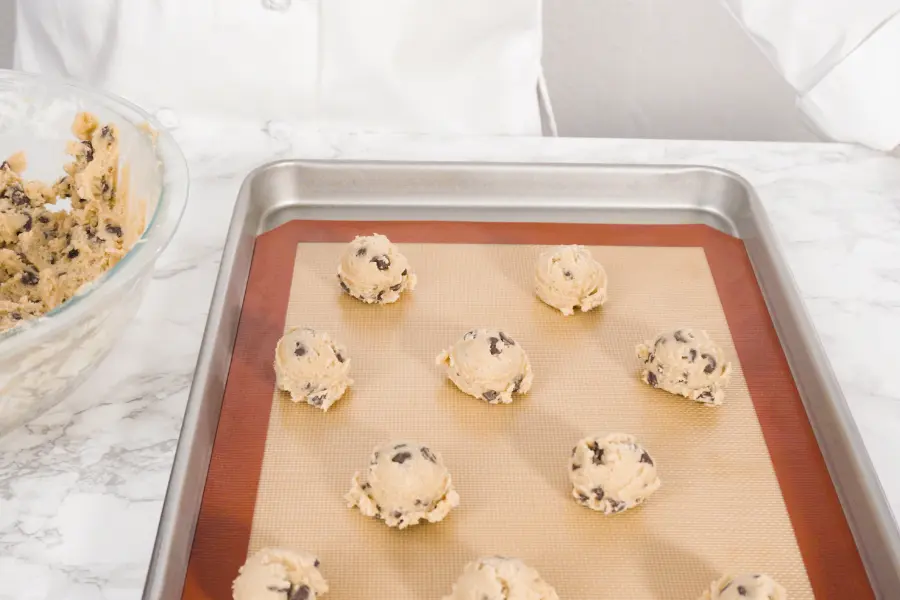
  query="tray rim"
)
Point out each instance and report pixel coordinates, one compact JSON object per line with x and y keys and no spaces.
{"x":863,"y":501}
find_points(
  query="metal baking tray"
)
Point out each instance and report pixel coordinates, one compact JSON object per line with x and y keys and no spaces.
{"x":335,"y":190}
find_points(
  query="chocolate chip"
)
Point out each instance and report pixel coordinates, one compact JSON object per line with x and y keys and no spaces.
{"x":339,"y":356}
{"x":741,"y":590}
{"x":582,"y":498}
{"x":645,"y":458}
{"x":18,"y":197}
{"x":344,"y":285}
{"x":88,"y":151}
{"x":567,"y":274}
{"x":73,"y":253}
{"x":318,"y":400}
{"x":490,"y":395}
{"x":575,"y":467}
{"x":4,"y":165}
{"x":396,"y":288}
{"x":381,"y":261}
{"x":494,"y":349}
{"x":29,"y":278}
{"x":692,"y":355}
{"x":43,"y":219}
{"x":598,"y":493}
{"x":616,"y":506}
{"x":300,"y":350}
{"x":679,"y":337}
{"x":28,"y":224}
{"x":302,"y":593}
{"x":651,"y":378}
{"x":428,"y":454}
{"x":380,"y":296}
{"x":104,"y":185}
{"x":361,"y":251}
{"x":401,"y":457}
{"x":711,"y":363}
{"x":316,"y":563}
{"x":106,"y":132}
{"x":419,"y":502}
{"x":397,"y":514}
{"x":574,"y":450}
{"x":16,"y":316}
{"x":471,"y":335}
{"x":517,"y":383}
{"x":705,"y":396}
{"x":114,"y":229}
{"x":506,"y":339}
{"x":404,"y":273}
{"x":598,"y":455}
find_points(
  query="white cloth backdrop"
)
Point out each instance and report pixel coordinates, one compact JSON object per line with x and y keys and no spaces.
{"x":412,"y":66}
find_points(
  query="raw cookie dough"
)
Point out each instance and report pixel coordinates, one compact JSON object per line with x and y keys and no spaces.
{"x":611,"y":474}
{"x":744,"y":587}
{"x":686,"y":363}
{"x":500,"y":578}
{"x":488,"y":364}
{"x":404,"y":483}
{"x":47,"y":255}
{"x":568,"y":277}
{"x":279,"y":574}
{"x":373,"y":270}
{"x":310,"y":366}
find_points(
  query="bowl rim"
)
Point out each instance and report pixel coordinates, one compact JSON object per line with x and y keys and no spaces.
{"x":159,"y":229}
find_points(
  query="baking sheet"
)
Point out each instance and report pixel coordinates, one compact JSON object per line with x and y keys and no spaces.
{"x":205,"y":525}
{"x":720,"y":508}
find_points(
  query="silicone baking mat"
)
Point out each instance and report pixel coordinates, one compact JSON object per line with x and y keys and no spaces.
{"x":744,"y":489}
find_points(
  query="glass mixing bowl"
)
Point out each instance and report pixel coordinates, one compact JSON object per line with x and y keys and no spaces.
{"x":43,"y":360}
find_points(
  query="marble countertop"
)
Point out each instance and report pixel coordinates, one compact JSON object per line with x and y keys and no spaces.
{"x":81,"y":488}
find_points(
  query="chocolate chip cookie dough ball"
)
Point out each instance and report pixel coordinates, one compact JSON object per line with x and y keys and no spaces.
{"x":311,"y":367}
{"x":568,"y":277}
{"x":373,"y":270}
{"x":279,"y":574}
{"x":403,"y":484}
{"x":687,"y":363}
{"x":611,"y":474}
{"x":500,"y":578}
{"x":744,"y":587}
{"x":488,"y":364}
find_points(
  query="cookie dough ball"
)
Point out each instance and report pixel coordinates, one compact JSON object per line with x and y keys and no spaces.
{"x":686,"y":363}
{"x":310,"y":366}
{"x":568,"y":277}
{"x":404,"y":483}
{"x":373,"y":270}
{"x":744,"y":587}
{"x":611,"y":474}
{"x":488,"y":364}
{"x":278,"y":574}
{"x":500,"y":578}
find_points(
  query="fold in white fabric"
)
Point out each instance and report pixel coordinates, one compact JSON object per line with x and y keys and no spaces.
{"x":841,"y":56}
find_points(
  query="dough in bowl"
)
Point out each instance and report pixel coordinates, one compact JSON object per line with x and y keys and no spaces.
{"x":612,"y":474}
{"x":311,"y":367}
{"x":500,"y":578}
{"x":488,"y":364}
{"x":404,"y":483}
{"x":744,"y":587}
{"x":279,"y":574}
{"x":373,"y":270}
{"x":568,"y":277}
{"x":686,"y":362}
